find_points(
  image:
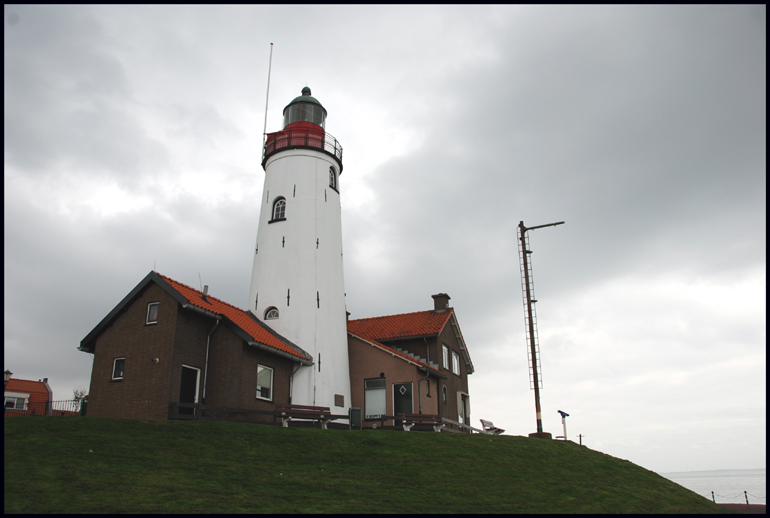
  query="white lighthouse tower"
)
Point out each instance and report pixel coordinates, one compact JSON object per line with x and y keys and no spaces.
{"x":297,"y":284}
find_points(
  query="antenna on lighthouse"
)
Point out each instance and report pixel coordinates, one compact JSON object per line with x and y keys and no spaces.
{"x":267,"y":96}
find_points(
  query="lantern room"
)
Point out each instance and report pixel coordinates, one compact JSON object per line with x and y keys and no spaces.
{"x":304,"y":122}
{"x":304,"y":108}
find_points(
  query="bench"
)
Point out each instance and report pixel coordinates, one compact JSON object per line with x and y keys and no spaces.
{"x":409,"y":420}
{"x":288,"y":412}
{"x":489,"y":428}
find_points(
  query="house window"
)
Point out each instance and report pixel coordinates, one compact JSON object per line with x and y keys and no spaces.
{"x":444,"y":394}
{"x":455,"y":363}
{"x":463,"y":408}
{"x":271,"y":313}
{"x":279,"y":209}
{"x":332,"y":178}
{"x":374,"y":398}
{"x":264,"y":383}
{"x":15,"y":403}
{"x":445,"y":350}
{"x":117,"y":368}
{"x":152,"y":312}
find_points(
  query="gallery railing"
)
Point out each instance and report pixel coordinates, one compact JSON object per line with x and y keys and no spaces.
{"x":308,"y":138}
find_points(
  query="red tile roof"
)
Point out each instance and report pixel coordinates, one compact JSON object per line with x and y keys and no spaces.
{"x":421,"y":323}
{"x":27,"y":387}
{"x":237,"y":316}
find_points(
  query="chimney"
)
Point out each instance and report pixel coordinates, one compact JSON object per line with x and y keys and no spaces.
{"x":45,"y":380}
{"x":347,"y":316}
{"x":205,"y":291}
{"x":440,"y":302}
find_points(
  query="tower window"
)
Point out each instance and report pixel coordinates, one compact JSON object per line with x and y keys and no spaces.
{"x":271,"y":314}
{"x":333,"y":179}
{"x":279,"y":209}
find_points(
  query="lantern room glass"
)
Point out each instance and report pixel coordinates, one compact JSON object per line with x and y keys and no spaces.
{"x":304,"y":112}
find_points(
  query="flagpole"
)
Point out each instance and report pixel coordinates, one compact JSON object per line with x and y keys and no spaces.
{"x":267,"y":96}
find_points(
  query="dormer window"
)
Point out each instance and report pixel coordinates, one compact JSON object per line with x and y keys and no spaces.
{"x":279,"y":209}
{"x":333,"y":179}
{"x":271,"y":313}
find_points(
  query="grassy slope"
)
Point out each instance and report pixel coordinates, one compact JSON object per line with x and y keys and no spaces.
{"x":175,"y":466}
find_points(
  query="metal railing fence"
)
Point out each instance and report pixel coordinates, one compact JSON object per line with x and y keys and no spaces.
{"x":301,"y":138}
{"x":70,"y":407}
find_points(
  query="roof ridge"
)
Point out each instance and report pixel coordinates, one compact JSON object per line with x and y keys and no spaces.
{"x":201,"y":293}
{"x":397,"y":315}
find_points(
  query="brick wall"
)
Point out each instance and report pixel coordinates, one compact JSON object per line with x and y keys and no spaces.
{"x":144,"y":390}
{"x":454,"y":383}
{"x":179,"y":338}
{"x":232,"y":377}
{"x":367,"y":362}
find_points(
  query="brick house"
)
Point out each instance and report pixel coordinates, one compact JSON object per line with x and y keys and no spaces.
{"x":27,"y":397}
{"x":166,"y":342}
{"x":410,"y":363}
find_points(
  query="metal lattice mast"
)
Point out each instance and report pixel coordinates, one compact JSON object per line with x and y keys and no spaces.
{"x":530,"y":318}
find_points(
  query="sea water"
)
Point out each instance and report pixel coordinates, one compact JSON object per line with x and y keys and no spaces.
{"x":728,"y":485}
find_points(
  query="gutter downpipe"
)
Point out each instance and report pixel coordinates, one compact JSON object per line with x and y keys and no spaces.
{"x":208,"y":340}
{"x":419,"y":393}
{"x":291,"y":381}
{"x":206,"y":366}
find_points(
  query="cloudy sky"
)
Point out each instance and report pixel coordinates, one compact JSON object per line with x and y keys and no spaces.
{"x":132,"y":140}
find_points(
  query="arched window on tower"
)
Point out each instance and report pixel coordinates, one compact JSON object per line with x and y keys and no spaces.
{"x":271,"y":313}
{"x":333,"y":179}
{"x":279,"y":209}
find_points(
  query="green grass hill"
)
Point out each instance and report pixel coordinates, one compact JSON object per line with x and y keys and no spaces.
{"x":99,"y":465}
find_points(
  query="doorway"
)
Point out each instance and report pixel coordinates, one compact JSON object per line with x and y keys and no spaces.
{"x":402,"y":400}
{"x":188,"y":391}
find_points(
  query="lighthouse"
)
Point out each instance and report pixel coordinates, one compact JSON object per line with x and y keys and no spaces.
{"x":297,"y":283}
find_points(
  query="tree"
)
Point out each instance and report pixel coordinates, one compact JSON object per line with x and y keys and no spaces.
{"x":79,"y":394}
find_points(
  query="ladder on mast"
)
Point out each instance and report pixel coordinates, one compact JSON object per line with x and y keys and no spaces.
{"x":528,"y":285}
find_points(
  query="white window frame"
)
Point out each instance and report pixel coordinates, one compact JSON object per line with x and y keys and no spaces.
{"x":272,"y":378}
{"x":271,"y":309}
{"x":274,"y":213}
{"x":384,"y":396}
{"x":463,"y":407}
{"x":149,"y":310}
{"x":333,"y":178}
{"x":455,"y":363}
{"x":445,"y":351}
{"x":115,"y":364}
{"x":444,"y":394}
{"x":19,"y":403}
